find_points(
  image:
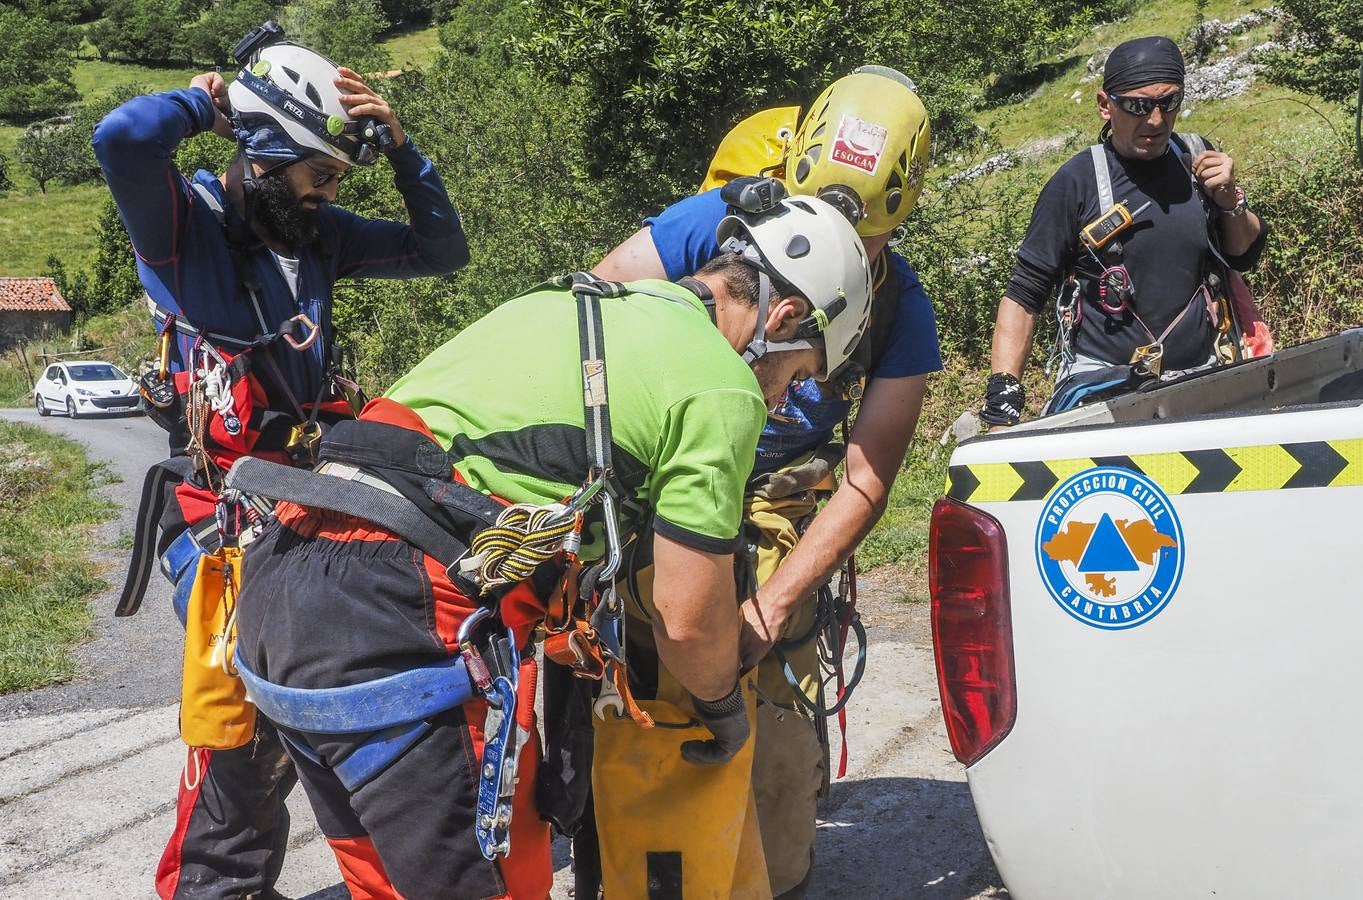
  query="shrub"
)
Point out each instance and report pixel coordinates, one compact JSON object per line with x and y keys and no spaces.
{"x":1322,"y":55}
{"x":502,"y":140}
{"x":962,"y":240}
{"x":1310,"y":280}
{"x":346,"y":31}
{"x":36,"y":59}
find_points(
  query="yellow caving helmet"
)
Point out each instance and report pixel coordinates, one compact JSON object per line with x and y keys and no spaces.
{"x":869,"y":132}
{"x":755,"y":146}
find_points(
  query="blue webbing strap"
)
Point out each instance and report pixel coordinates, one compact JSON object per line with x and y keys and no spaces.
{"x":358,"y":708}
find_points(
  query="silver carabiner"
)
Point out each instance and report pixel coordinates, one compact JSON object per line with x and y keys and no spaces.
{"x":613,"y":554}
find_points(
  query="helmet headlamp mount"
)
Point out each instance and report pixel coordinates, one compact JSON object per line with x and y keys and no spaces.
{"x":846,"y":200}
{"x":257,"y":39}
{"x":754,"y":194}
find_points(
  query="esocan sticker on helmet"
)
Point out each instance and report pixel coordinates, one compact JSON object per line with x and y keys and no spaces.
{"x":867,"y":133}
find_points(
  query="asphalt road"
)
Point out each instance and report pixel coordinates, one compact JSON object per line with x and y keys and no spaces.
{"x":89,"y":768}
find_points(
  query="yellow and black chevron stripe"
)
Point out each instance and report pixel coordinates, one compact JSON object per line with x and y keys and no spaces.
{"x":1269,"y":467}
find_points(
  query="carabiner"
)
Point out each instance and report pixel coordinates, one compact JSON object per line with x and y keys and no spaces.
{"x":286,"y":331}
{"x":613,"y":554}
{"x":473,"y":660}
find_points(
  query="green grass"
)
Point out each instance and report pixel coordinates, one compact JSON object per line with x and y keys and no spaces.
{"x":48,"y":505}
{"x":93,"y":77}
{"x":413,"y":47}
{"x":35,"y":225}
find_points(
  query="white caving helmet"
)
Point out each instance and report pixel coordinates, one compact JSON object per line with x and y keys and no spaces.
{"x":807,"y":247}
{"x":288,"y":88}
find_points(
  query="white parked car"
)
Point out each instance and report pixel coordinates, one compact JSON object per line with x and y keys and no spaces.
{"x":83,"y":387}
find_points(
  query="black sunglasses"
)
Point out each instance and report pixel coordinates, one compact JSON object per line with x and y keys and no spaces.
{"x":1143,"y":106}
{"x":323,"y":177}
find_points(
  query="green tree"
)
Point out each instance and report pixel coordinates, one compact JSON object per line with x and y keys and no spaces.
{"x":663,"y":84}
{"x":1323,"y":57}
{"x":42,"y":152}
{"x":347,"y":31}
{"x":75,"y":289}
{"x":59,"y":149}
{"x":406,"y":12}
{"x":144,"y":30}
{"x":36,"y":59}
{"x":6,"y":183}
{"x":113,"y":278}
{"x":210,"y":39}
{"x":507,"y":146}
{"x":665,"y":81}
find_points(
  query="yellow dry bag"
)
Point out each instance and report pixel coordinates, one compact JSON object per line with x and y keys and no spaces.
{"x":668,"y":828}
{"x":214,"y":711}
{"x":755,"y":146}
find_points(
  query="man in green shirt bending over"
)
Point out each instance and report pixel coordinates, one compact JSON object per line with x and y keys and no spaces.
{"x":348,"y":606}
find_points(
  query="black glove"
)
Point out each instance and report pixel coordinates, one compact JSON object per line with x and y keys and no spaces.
{"x":727,"y":719}
{"x":1004,"y":400}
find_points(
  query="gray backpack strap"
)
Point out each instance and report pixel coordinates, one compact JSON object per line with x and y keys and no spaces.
{"x":1190,"y":145}
{"x":210,"y":201}
{"x":1194,"y":142}
{"x":1102,"y":176}
{"x":215,"y":206}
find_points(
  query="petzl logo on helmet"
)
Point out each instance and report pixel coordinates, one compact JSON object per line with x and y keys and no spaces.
{"x":859,"y":144}
{"x":295,"y":109}
{"x":1110,"y":548}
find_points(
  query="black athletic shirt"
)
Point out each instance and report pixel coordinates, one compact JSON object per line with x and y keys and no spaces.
{"x":1164,"y":251}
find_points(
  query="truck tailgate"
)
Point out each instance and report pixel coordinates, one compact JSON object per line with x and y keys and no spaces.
{"x":1187,"y":714}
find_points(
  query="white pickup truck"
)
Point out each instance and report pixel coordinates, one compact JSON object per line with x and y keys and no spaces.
{"x":1148,"y":620}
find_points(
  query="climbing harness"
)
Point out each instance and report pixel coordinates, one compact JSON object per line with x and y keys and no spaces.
{"x":490,"y":548}
{"x":835,"y":620}
{"x":217,"y":408}
{"x":1116,"y":290}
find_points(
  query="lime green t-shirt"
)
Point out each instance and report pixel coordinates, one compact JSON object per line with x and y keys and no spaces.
{"x":505,"y":397}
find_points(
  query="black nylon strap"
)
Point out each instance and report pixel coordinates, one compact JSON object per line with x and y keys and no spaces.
{"x":396,"y":513}
{"x":595,"y":402}
{"x":149,"y":510}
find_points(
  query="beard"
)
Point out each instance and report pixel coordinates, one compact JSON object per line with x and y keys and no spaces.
{"x":773,"y":379}
{"x":279,"y":214}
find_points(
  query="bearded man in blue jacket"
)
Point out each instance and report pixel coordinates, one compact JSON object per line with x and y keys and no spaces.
{"x":227,"y":260}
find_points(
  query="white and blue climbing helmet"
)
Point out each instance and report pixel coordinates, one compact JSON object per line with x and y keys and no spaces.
{"x":286,"y":106}
{"x":805,"y":246}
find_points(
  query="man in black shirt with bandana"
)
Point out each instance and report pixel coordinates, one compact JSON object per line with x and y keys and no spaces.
{"x":1141,"y":295}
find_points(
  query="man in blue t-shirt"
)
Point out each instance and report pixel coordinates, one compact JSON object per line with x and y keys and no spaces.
{"x":865,"y":146}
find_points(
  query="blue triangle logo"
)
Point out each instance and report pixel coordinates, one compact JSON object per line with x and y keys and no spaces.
{"x":1107,"y":550}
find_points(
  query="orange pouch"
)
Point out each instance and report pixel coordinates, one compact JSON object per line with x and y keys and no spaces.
{"x":214,"y":711}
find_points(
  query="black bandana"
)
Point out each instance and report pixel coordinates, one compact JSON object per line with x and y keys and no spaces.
{"x":1147,"y":60}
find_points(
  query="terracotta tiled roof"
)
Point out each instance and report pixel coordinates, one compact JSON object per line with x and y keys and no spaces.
{"x":31,"y":294}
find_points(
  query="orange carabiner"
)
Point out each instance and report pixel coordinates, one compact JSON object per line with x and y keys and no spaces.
{"x":286,"y":332}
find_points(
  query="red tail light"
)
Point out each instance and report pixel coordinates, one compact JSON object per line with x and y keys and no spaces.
{"x":972,"y":627}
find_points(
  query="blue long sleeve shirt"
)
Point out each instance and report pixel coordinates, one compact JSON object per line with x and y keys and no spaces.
{"x":187,"y":266}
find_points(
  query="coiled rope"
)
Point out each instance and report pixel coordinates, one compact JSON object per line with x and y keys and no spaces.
{"x":523,"y":537}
